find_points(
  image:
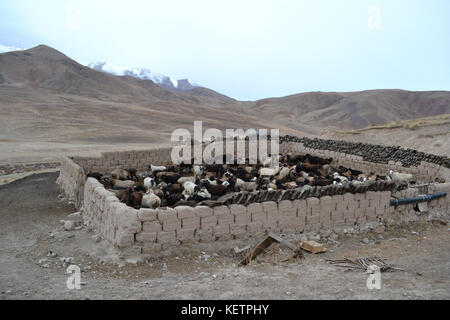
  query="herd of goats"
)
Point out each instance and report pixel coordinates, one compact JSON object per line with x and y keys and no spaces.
{"x":189,"y":184}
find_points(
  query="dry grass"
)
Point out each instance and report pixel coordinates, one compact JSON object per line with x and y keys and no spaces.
{"x":412,"y":124}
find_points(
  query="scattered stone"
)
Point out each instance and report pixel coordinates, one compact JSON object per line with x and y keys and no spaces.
{"x":365,"y":241}
{"x":69,"y":225}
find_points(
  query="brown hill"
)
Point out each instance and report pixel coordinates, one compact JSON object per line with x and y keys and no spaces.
{"x":355,"y":109}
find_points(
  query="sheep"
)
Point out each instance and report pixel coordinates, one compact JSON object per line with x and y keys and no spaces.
{"x":150,"y":200}
{"x":170,"y":177}
{"x":400,"y":178}
{"x":190,"y":188}
{"x":119,"y":184}
{"x":173,"y":198}
{"x":120,"y":174}
{"x":132,"y":173}
{"x":198,"y":171}
{"x":268,"y":171}
{"x":149,"y":183}
{"x":341,"y":178}
{"x":182,"y":180}
{"x":284,"y":173}
{"x":215,"y":190}
{"x":246,"y":186}
{"x":202,"y":195}
{"x":156,"y":169}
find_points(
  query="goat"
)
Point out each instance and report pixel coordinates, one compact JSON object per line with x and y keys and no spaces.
{"x":246,"y":186}
{"x":120,"y":174}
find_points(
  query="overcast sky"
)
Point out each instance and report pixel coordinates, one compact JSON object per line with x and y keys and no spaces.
{"x":250,"y":49}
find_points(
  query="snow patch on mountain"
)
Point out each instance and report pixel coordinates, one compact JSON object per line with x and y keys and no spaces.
{"x":144,"y":74}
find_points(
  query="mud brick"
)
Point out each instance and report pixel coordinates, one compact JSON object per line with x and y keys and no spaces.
{"x":312,"y":220}
{"x":221,"y":210}
{"x":125,"y":239}
{"x":337,"y":215}
{"x":312,"y":202}
{"x":185,"y":235}
{"x":360,"y":196}
{"x":285,"y":205}
{"x":171,"y":225}
{"x":260,"y":216}
{"x":325,"y":217}
{"x":374,"y":202}
{"x":168,"y":237}
{"x":271,"y":225}
{"x":238,"y":231}
{"x":300,"y":205}
{"x":381,"y":211}
{"x":167,"y":214}
{"x":371,"y":195}
{"x":204,"y":235}
{"x":363,"y":204}
{"x":190,"y":223}
{"x":242,"y":219}
{"x":270,"y":206}
{"x":147,"y":214}
{"x":226,"y":219}
{"x":359,"y":213}
{"x":203,"y":211}
{"x":146,"y":237}
{"x":255,"y":207}
{"x":222,"y":232}
{"x":289,"y":213}
{"x":185,"y":212}
{"x":370,"y":213}
{"x":237,"y":209}
{"x":208,"y":222}
{"x":151,"y":226}
{"x":255,"y":228}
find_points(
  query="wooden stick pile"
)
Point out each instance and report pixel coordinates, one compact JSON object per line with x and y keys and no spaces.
{"x":364,"y":263}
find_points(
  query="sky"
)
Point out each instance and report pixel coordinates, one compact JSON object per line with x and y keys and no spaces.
{"x":249,"y":49}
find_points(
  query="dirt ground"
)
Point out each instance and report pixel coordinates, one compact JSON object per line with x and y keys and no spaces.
{"x":35,"y":251}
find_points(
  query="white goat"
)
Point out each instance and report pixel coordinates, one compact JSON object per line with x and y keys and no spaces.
{"x":149,"y":183}
{"x":399,"y":177}
{"x":150,"y":200}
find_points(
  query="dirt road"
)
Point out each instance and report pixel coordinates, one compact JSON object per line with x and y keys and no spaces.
{"x":35,"y":251}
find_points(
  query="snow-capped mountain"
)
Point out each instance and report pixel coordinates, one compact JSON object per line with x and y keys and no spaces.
{"x":140,"y":73}
{"x":144,"y":74}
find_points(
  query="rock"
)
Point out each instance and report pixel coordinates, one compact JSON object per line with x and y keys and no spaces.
{"x":69,"y":225}
{"x":365,"y":241}
{"x":97,"y":239}
{"x":380,"y":229}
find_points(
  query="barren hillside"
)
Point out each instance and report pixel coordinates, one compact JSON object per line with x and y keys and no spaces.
{"x":51,"y":105}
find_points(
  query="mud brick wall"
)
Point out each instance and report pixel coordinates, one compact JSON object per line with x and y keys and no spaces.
{"x":71,"y":181}
{"x":424,"y":172}
{"x":148,"y":231}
